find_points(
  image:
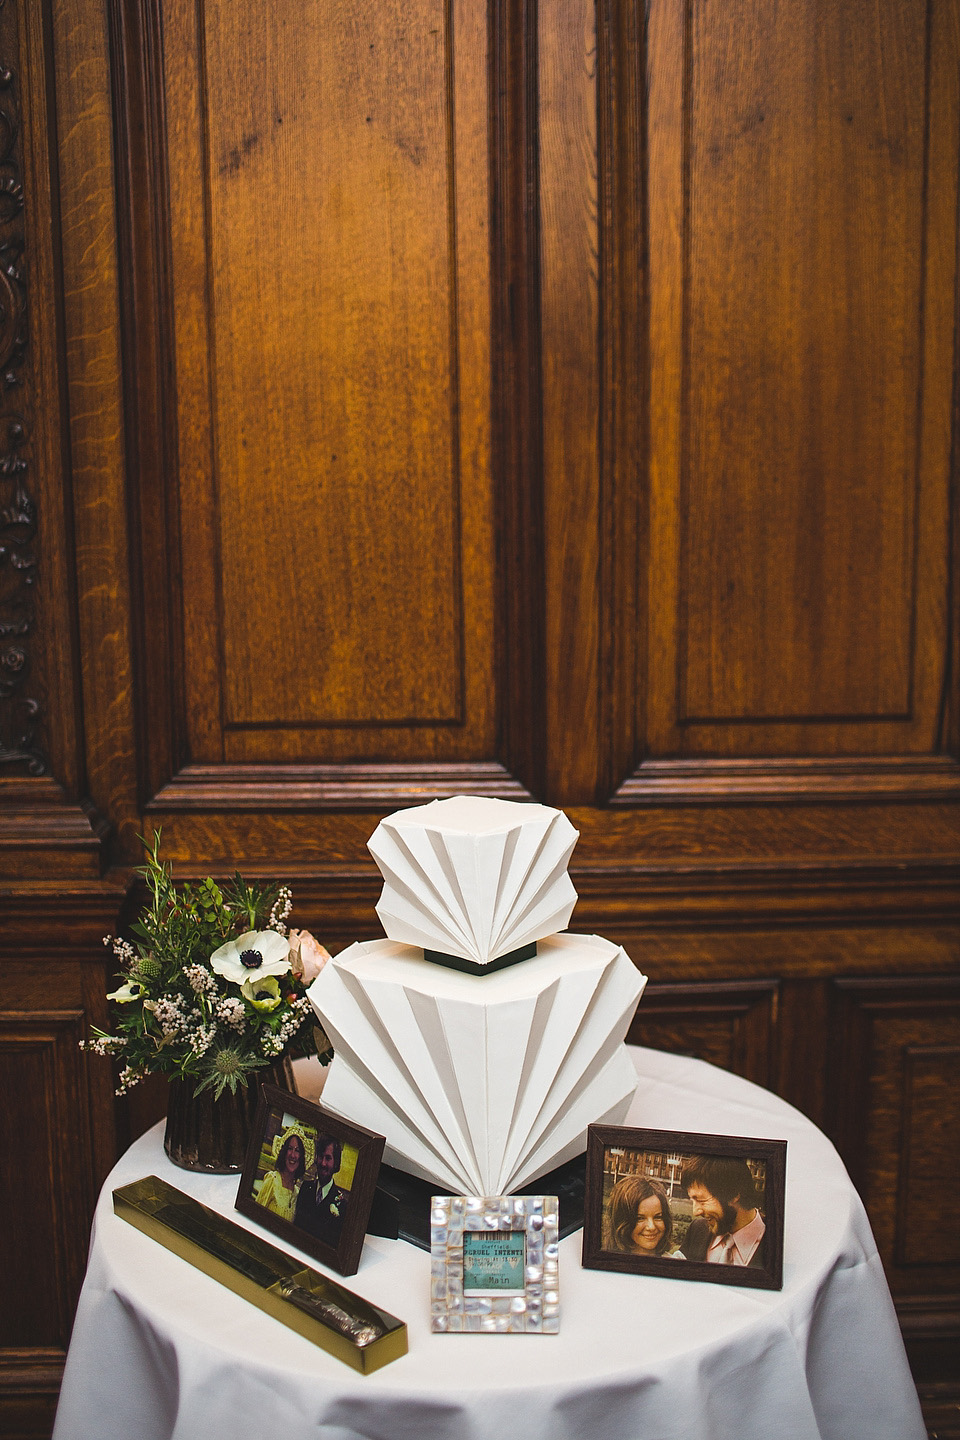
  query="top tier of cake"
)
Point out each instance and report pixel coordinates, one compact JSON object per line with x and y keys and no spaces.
{"x":474,"y":878}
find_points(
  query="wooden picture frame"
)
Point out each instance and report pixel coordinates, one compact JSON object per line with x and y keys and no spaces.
{"x":331,"y":1227}
{"x":640,"y":1215}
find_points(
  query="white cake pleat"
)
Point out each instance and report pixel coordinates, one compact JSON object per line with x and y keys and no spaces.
{"x":473,"y":877}
{"x":487,"y":1079}
{"x":590,"y":1013}
{"x":378,"y":1039}
{"x":617,"y":1084}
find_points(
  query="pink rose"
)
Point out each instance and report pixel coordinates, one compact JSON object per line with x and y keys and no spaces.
{"x":307,"y":955}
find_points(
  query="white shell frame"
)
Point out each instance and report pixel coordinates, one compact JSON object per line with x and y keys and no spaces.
{"x":537,"y":1310}
{"x":474,"y":877}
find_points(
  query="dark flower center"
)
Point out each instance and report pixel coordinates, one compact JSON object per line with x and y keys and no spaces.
{"x":251,"y":958}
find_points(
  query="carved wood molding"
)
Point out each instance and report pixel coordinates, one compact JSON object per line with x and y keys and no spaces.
{"x":793,"y":781}
{"x":872,"y":1044}
{"x":20,"y":711}
{"x":65,"y":917}
{"x":313,"y":787}
{"x":683,"y":895}
{"x":729,"y":1023}
{"x":929,"y":1317}
{"x":40,"y":829}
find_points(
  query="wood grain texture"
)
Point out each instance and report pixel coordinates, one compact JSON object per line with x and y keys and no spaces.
{"x":43,"y":822}
{"x":362,"y":310}
{"x":802,"y":264}
{"x":91,"y":338}
{"x":571,"y":381}
{"x":517,"y":389}
{"x":39,"y":1058}
{"x":893,"y":1043}
{"x":728,"y":1023}
{"x":589,"y":340}
{"x":931,"y":1129}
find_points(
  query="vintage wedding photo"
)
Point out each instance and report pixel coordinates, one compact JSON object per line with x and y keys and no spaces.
{"x":309,"y":1177}
{"x":702,"y":1207}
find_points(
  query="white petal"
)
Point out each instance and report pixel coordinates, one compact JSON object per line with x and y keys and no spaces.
{"x":272,"y":947}
{"x":226,"y":962}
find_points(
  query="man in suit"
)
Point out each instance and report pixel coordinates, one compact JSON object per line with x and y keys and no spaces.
{"x":727,"y":1227}
{"x":321,"y":1204}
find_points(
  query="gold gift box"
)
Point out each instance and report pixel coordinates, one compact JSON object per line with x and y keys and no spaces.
{"x":331,"y":1316}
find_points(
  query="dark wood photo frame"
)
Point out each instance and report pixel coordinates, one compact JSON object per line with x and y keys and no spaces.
{"x":331,"y":1229}
{"x":635,"y":1178}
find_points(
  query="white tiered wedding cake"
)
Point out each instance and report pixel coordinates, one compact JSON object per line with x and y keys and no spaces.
{"x":483,"y":1064}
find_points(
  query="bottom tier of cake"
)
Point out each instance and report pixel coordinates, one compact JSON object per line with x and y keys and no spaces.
{"x":480,"y":1083}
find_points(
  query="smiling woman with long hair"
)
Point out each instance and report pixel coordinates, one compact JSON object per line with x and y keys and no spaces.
{"x":280,"y":1185}
{"x":640,"y":1219}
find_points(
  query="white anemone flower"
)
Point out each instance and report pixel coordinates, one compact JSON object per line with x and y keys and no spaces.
{"x":252,"y":957}
{"x":132,"y":990}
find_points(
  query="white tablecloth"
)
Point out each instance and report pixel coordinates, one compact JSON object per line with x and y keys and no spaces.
{"x":162,"y":1352}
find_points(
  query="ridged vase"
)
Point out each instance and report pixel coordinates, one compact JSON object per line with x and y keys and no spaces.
{"x":212,"y":1135}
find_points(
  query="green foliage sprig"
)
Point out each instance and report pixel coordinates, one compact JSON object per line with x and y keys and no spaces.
{"x":194,"y":1004}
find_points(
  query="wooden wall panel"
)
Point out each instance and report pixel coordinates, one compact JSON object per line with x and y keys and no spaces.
{"x":928,"y":1214}
{"x":804,"y":218}
{"x":619,"y":359}
{"x":332,"y":478}
{"x":727,"y":1023}
{"x":40,"y":1059}
{"x":894,"y":1052}
{"x":353,"y":426}
{"x":802,"y":238}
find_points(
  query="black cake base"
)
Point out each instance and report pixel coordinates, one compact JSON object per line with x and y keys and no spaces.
{"x":401,"y":1202}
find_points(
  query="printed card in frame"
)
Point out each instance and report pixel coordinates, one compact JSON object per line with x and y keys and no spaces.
{"x":494,"y":1264}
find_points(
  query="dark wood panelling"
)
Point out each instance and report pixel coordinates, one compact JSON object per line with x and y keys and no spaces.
{"x":57,"y":1125}
{"x":44,"y":822}
{"x":893,"y":1046}
{"x":931,"y":1130}
{"x":517,"y":410}
{"x":354,"y":425}
{"x":792,"y":460}
{"x":23,"y":744}
{"x":727,"y":1023}
{"x":29,"y":1387}
{"x":372,"y":418}
{"x":83,"y":174}
{"x":799,"y":391}
{"x":420,"y":454}
{"x":370,"y":422}
{"x":39,"y":1058}
{"x":570,"y":303}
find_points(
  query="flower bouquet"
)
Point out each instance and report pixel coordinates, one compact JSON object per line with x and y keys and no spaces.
{"x":215,"y":985}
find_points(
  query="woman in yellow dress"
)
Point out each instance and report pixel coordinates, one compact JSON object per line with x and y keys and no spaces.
{"x":278,"y":1191}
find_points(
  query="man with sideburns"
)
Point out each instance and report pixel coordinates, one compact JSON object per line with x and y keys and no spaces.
{"x":727,"y":1227}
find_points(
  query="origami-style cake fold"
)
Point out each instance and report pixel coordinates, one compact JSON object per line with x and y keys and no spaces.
{"x":481,"y":1081}
{"x":473,"y":877}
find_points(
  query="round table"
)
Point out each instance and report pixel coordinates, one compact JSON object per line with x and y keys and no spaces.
{"x":162,"y":1352}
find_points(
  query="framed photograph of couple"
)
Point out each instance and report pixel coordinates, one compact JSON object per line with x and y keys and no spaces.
{"x":686,"y":1206}
{"x":309,"y":1176}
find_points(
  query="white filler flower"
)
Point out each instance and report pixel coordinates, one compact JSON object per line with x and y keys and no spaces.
{"x":252,"y":957}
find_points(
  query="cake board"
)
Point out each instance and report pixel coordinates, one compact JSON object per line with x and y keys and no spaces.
{"x":401,"y":1202}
